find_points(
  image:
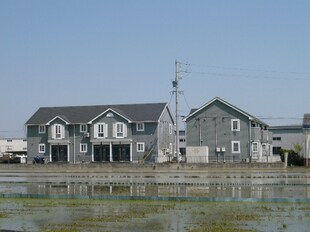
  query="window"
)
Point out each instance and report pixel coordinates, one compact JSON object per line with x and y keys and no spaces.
{"x":83,"y":128}
{"x":119,"y":130}
{"x":235,"y":125}
{"x":83,"y":147}
{"x":255,"y":147}
{"x":58,"y":131}
{"x":276,"y":150}
{"x":41,"y":148}
{"x":276,"y":138}
{"x":101,"y":130}
{"x":235,"y":145}
{"x":140,"y":147}
{"x":170,"y":128}
{"x":140,"y":126}
{"x":41,"y":129}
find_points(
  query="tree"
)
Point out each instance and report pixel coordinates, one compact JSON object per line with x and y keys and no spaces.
{"x":294,"y":158}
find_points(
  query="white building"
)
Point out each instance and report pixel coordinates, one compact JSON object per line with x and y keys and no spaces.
{"x":13,"y":146}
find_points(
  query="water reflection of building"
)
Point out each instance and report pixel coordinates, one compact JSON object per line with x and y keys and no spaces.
{"x":219,"y":191}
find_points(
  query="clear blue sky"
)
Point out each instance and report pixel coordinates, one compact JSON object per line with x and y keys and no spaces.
{"x":253,"y":54}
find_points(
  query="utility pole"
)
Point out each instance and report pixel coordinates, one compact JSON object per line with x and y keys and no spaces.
{"x":176,"y":86}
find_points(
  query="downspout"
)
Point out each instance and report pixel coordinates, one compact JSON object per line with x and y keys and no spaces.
{"x":158,"y":140}
{"x":199,"y":132}
{"x":73,"y":143}
{"x":250,"y":144}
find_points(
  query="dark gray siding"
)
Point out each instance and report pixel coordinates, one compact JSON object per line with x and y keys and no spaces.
{"x":33,"y":141}
{"x":149,"y":137}
{"x":211,"y":127}
{"x":165,"y":137}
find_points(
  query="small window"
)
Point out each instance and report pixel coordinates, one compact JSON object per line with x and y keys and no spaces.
{"x":276,"y":138}
{"x":170,"y":128}
{"x":140,"y":147}
{"x":235,"y":145}
{"x":9,"y":140}
{"x":235,"y":125}
{"x":83,"y":128}
{"x":83,"y":147}
{"x":255,"y":147}
{"x":42,"y":129}
{"x":41,"y":148}
{"x":140,"y":126}
{"x":276,"y":150}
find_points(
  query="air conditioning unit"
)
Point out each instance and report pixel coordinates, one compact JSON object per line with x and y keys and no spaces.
{"x":86,"y":135}
{"x":223,"y":149}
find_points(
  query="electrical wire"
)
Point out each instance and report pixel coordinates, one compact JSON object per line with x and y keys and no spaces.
{"x":250,"y":69}
{"x":250,"y":76}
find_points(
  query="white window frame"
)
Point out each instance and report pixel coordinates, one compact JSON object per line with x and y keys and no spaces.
{"x":233,"y":121}
{"x":119,"y":130}
{"x":83,"y":147}
{"x":232,"y":147}
{"x":41,"y":148}
{"x":170,"y":129}
{"x":140,"y":147}
{"x":42,"y":129}
{"x":58,"y":131}
{"x":255,"y":145}
{"x":101,"y":130}
{"x":140,"y":126}
{"x":83,"y":128}
{"x":171,"y":148}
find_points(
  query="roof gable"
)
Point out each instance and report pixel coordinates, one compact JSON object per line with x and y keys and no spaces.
{"x":109,"y":110}
{"x":195,"y":111}
{"x":62,"y":118}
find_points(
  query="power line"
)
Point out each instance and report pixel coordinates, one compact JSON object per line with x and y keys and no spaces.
{"x":250,"y":76}
{"x":249,"y":69}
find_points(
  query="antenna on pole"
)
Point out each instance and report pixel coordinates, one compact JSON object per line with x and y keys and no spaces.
{"x":175,"y":84}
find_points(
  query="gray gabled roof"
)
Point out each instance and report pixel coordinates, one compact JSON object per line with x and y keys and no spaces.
{"x":149,"y":112}
{"x":194,"y":111}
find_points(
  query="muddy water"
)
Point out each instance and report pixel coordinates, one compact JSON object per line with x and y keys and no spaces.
{"x":119,"y":215}
{"x":221,"y":185}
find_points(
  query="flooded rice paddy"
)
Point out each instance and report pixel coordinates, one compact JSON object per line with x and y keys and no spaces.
{"x":241,"y":185}
{"x":209,"y":201}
